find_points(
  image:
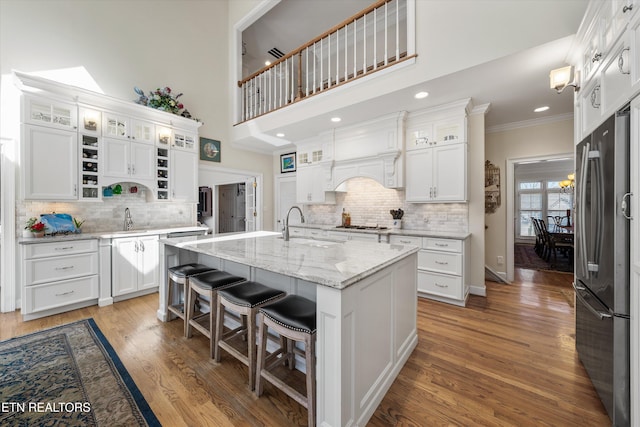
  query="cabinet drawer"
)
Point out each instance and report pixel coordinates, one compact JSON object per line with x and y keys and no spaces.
{"x":440,"y":284}
{"x":39,"y":250}
{"x":315,"y":233}
{"x":405,"y":240}
{"x":42,"y":270}
{"x":58,"y":294}
{"x":300,"y":232}
{"x":444,"y":262}
{"x":448,"y":245}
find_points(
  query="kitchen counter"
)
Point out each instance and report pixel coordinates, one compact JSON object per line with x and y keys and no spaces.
{"x":110,"y":234}
{"x":366,"y":306}
{"x":389,"y":231}
{"x":325,"y":262}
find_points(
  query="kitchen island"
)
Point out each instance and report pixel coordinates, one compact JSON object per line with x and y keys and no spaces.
{"x":366,"y":306}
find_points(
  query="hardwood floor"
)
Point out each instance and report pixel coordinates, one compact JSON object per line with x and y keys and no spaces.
{"x":505,"y":360}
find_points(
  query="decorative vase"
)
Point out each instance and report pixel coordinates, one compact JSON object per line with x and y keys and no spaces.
{"x":27,"y":233}
{"x":396,"y":224}
{"x":38,"y":234}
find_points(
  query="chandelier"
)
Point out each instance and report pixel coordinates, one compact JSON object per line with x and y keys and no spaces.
{"x":569,"y":184}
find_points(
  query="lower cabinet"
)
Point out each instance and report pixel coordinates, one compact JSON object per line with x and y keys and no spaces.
{"x":134,"y":266}
{"x":442,"y":268}
{"x":58,"y":276}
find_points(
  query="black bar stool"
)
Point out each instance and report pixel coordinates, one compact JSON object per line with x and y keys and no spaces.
{"x":294,"y":319}
{"x":179,"y":276}
{"x":207,"y":284}
{"x":244,"y":299}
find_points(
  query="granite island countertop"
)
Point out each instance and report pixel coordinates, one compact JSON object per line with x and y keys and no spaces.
{"x":324,"y":262}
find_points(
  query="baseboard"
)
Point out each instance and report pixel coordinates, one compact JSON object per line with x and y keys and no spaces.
{"x":479,"y":290}
{"x":495,"y":276}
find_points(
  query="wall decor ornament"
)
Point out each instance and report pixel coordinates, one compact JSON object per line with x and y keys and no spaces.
{"x":288,"y":162}
{"x":210,"y":150}
{"x":491,"y":187}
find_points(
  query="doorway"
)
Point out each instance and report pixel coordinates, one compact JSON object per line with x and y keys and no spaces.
{"x":231,"y":207}
{"x":532,"y":190}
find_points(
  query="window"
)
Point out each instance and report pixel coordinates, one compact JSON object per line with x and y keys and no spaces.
{"x":540,"y":199}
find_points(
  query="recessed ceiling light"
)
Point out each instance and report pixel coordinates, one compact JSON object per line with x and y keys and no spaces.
{"x":280,"y":135}
{"x":335,"y":119}
{"x":421,"y":95}
{"x":541,"y":109}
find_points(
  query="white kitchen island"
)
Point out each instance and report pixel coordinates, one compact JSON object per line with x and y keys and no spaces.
{"x":366,"y":306}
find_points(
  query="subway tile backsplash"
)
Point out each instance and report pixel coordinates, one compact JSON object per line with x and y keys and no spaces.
{"x":108,"y":215}
{"x":369,"y":203}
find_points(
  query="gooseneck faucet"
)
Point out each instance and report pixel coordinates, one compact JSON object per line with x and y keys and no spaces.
{"x":128,"y":222}
{"x":285,"y":230}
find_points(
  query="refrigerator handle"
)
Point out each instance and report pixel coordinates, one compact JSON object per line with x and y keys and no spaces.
{"x":581,"y":213}
{"x":599,"y":314}
{"x":625,"y":206}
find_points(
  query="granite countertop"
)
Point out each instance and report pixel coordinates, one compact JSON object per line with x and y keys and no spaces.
{"x":109,"y":234}
{"x":389,"y":231}
{"x":325,"y":262}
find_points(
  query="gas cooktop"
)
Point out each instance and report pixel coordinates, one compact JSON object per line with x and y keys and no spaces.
{"x":362,"y":227}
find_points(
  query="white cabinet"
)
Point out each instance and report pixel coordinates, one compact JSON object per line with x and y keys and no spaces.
{"x":442,"y":267}
{"x":184,"y":140}
{"x":450,"y":130}
{"x":128,"y":160}
{"x":184,"y":176}
{"x":134,"y":265}
{"x":162,"y":172}
{"x":50,"y":113}
{"x":49,"y":164}
{"x":124,"y":127}
{"x":58,"y":276}
{"x":311,"y":185}
{"x":437,"y":174}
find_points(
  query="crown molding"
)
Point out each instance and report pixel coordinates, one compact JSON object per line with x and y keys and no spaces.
{"x":530,"y":123}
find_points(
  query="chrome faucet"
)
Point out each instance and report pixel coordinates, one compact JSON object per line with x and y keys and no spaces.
{"x":285,"y":230}
{"x":128,"y":222}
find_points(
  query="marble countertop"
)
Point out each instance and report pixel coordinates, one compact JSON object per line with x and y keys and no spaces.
{"x":402,"y":232}
{"x":325,"y":262}
{"x":109,"y":234}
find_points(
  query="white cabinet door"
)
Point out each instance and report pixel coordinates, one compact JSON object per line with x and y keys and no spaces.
{"x":115,"y":125}
{"x":117,"y":158}
{"x":50,"y":164}
{"x":45,"y":112}
{"x":449,"y":173}
{"x":124,"y":266}
{"x":419,"y":175}
{"x":142,"y":131}
{"x":184,"y":175}
{"x":143,"y":161}
{"x":148,"y":262}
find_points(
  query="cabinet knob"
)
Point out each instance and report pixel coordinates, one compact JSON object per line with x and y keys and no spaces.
{"x":625,"y":9}
{"x":596,"y":57}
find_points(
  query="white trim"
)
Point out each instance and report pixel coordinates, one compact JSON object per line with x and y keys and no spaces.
{"x":530,"y":123}
{"x":511,"y":195}
{"x":8,"y":148}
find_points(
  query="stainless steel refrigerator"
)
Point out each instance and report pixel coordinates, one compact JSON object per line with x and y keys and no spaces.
{"x":602,"y":262}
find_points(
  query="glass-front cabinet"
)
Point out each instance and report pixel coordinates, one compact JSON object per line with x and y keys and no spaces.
{"x":45,"y":112}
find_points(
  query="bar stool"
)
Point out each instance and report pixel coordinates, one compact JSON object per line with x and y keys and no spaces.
{"x":180,"y":275}
{"x":207,"y":284}
{"x":244,"y":299}
{"x":294,"y":318}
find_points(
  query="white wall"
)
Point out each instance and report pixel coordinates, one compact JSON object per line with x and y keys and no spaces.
{"x":541,"y":140}
{"x":145,"y":43}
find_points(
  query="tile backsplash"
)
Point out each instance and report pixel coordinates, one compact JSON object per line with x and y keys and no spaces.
{"x":369,"y":203}
{"x":108,"y":215}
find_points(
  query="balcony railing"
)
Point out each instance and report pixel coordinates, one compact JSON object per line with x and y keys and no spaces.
{"x":369,"y":41}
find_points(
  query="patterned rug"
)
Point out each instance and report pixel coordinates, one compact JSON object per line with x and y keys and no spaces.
{"x":524,"y":256}
{"x":68,"y":376}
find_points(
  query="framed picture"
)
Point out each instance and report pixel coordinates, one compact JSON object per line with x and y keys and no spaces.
{"x":288,"y":162}
{"x":209,"y":150}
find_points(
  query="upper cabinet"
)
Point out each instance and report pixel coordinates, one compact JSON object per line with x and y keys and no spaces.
{"x":184,"y":140}
{"x":124,"y":127}
{"x":45,"y":112}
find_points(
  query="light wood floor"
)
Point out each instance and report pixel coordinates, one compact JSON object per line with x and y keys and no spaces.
{"x":505,"y":360}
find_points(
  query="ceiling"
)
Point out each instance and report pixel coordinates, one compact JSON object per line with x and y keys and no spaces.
{"x":513,"y":85}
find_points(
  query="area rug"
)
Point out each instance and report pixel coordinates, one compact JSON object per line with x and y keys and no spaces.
{"x":524,"y":256}
{"x":68,"y":376}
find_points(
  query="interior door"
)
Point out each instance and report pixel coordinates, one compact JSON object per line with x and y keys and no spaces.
{"x":251,"y":212}
{"x":286,"y":197}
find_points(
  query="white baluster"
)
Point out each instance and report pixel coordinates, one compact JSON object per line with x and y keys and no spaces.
{"x":307,"y":72}
{"x":364,"y":44}
{"x":397,"y":30}
{"x":321,"y":65}
{"x":375,"y":36}
{"x":355,"y":44}
{"x":346,"y":51}
{"x":386,"y":31}
{"x":329,"y":60}
{"x":315,"y":85}
{"x":337,"y":56}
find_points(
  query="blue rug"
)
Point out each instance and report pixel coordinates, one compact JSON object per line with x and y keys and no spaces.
{"x":68,"y":376}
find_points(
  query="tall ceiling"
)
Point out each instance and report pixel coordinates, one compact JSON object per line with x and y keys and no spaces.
{"x":514,"y":85}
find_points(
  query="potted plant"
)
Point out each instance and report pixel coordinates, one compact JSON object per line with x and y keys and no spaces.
{"x":37,"y":229}
{"x":27,"y":227}
{"x":78,"y":223}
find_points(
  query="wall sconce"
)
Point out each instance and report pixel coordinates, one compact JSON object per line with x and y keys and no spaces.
{"x":569,"y":184}
{"x":560,"y":78}
{"x":91,"y":120}
{"x":164,"y":136}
